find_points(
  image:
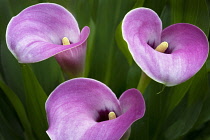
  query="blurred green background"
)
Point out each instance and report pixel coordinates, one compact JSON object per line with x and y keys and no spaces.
{"x":181,"y":112}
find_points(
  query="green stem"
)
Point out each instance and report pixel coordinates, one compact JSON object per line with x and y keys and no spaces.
{"x":68,"y":76}
{"x":143,"y":82}
{"x":90,"y":47}
{"x":208,"y":65}
{"x":126,"y":136}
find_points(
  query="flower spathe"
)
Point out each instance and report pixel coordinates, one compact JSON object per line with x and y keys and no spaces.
{"x":36,"y":34}
{"x":79,"y":109}
{"x":186,"y":53}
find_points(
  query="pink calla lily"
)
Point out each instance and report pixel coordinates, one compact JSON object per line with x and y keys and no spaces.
{"x":78,"y":109}
{"x":186,"y":53}
{"x":36,"y":34}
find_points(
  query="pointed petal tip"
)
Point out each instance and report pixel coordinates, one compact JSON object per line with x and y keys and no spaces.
{"x":86,"y":29}
{"x":132,"y":100}
{"x":142,"y":14}
{"x":85,"y":33}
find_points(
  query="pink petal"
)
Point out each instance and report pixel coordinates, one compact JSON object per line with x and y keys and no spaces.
{"x":36,"y":33}
{"x":75,"y":107}
{"x":187,"y":52}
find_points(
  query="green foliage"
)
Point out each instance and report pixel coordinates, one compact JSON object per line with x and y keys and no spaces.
{"x":122,"y":44}
{"x":48,"y":77}
{"x":19,"y":109}
{"x":10,"y":127}
{"x":177,"y":113}
{"x":35,"y":102}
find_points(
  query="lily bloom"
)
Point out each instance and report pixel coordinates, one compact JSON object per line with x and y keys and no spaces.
{"x":170,"y":56}
{"x":86,"y":109}
{"x":45,"y":30}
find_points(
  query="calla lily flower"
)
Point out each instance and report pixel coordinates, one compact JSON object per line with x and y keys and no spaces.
{"x":86,"y":109}
{"x":182,"y":48}
{"x":45,"y":30}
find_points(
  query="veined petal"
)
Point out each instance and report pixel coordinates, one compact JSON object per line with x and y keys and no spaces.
{"x":36,"y":33}
{"x":141,"y":29}
{"x":133,"y":107}
{"x":187,"y":52}
{"x":72,"y":60}
{"x":74,"y":107}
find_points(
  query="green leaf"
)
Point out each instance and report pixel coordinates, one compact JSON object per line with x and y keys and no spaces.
{"x":104,"y":45}
{"x":121,"y":8}
{"x":166,"y":16}
{"x":156,"y":5}
{"x":122,"y":45}
{"x":191,"y":11}
{"x":35,"y":102}
{"x":5,"y":15}
{"x":17,"y":6}
{"x":118,"y":73}
{"x":146,"y":128}
{"x":1,"y":137}
{"x":48,"y":73}
{"x":104,"y":49}
{"x":19,"y":108}
{"x":208,"y":65}
{"x":184,"y":117}
{"x":177,"y":11}
{"x":198,"y":15}
{"x":203,"y":88}
{"x":90,"y":47}
{"x":205,"y":113}
{"x":133,"y":76}
{"x":11,"y":71}
{"x":181,"y":120}
{"x":199,"y":87}
{"x":5,"y":129}
{"x":176,"y":94}
{"x":10,"y":127}
{"x":139,"y":3}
